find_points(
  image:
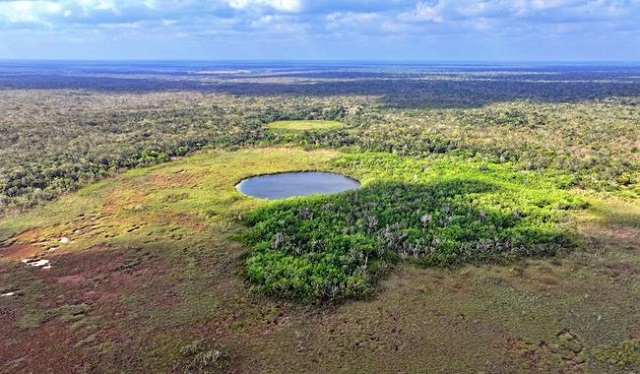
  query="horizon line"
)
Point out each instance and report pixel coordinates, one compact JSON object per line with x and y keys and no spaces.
{"x":386,"y":61}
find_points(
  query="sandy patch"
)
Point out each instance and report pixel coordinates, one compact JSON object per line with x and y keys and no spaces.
{"x":38,"y":263}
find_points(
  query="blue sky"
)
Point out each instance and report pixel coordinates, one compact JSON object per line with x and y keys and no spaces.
{"x":431,"y":30}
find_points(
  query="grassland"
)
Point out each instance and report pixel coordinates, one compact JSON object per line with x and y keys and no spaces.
{"x":152,"y":280}
{"x":305,"y":125}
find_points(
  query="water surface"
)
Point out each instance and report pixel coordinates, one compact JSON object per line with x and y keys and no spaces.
{"x":283,"y":185}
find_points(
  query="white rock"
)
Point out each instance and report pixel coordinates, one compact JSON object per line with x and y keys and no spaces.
{"x":8,"y":294}
{"x":36,"y":263}
{"x":64,"y":240}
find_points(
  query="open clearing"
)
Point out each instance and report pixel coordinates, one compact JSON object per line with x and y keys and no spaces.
{"x":150,"y":279}
{"x":305,"y":125}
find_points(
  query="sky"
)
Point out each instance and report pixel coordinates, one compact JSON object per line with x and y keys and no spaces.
{"x":361,"y":30}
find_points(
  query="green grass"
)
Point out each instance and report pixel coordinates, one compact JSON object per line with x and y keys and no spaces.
{"x":67,"y":313}
{"x":618,"y":212}
{"x":201,"y":188}
{"x":305,"y":125}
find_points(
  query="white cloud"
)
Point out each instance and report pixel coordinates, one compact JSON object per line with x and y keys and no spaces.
{"x":26,"y":11}
{"x":436,"y":11}
{"x":365,"y":20}
{"x":281,"y":5}
{"x":427,"y":11}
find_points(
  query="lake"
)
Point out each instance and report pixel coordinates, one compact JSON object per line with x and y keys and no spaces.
{"x":283,"y":185}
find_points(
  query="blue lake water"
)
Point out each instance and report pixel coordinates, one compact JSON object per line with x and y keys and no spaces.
{"x":283,"y":185}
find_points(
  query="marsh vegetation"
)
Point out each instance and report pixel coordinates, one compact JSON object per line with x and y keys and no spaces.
{"x":309,"y":125}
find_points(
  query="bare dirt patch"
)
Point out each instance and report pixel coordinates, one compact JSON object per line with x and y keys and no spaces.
{"x":20,"y":251}
{"x":75,"y":279}
{"x":623,"y":269}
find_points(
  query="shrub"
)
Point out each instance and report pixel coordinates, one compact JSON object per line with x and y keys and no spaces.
{"x":333,"y":247}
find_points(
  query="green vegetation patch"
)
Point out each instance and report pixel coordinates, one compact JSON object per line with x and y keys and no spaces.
{"x":623,"y":355}
{"x":305,"y":125}
{"x":67,"y":313}
{"x":436,"y":213}
{"x":201,"y":357}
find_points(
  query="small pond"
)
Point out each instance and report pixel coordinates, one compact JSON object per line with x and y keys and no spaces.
{"x":283,"y":185}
